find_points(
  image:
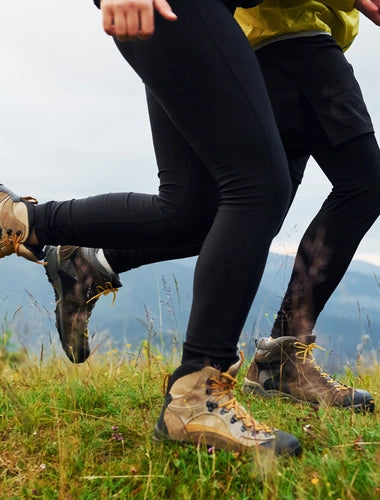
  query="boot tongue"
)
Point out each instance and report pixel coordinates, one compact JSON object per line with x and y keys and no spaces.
{"x":307,"y":339}
{"x":233,"y":370}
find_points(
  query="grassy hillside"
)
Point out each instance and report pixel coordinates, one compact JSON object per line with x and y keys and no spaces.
{"x":84,"y":432}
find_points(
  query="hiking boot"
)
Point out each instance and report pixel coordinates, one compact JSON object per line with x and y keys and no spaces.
{"x":79,"y":279}
{"x":285,"y":367}
{"x":14,"y":226}
{"x":200,"y":408}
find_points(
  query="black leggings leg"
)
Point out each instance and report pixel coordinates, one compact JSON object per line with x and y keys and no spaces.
{"x":203,"y":73}
{"x":332,"y":238}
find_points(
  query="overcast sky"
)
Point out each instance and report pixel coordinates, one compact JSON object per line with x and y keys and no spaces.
{"x":73,"y":120}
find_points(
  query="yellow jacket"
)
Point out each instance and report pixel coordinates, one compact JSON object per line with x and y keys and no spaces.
{"x":274,"y":18}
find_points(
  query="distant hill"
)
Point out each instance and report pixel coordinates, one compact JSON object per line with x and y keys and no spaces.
{"x":155,"y":300}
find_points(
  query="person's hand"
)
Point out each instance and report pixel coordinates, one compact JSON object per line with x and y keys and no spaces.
{"x":130,"y":19}
{"x":370,"y":8}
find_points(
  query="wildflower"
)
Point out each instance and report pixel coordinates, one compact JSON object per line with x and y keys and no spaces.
{"x":117,"y":436}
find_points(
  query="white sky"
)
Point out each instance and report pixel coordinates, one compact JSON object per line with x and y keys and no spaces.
{"x":73,"y":120}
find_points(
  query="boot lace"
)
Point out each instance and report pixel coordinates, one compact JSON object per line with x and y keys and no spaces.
{"x":304,"y":352}
{"x":221,"y":389}
{"x":104,"y":290}
{"x":12,"y":242}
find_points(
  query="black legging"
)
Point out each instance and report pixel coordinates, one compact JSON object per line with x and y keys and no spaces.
{"x":205,"y":78}
{"x":320,"y":111}
{"x":332,"y":238}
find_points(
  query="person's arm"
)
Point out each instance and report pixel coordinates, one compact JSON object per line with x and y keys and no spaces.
{"x":128,"y":19}
{"x":370,"y":8}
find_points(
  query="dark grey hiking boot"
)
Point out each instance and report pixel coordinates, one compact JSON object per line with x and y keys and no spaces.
{"x":200,"y":408}
{"x":285,"y":367}
{"x":78,"y":279}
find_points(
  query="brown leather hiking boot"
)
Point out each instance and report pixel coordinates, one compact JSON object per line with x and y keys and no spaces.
{"x":14,"y":226}
{"x":285,"y":367}
{"x":79,"y":279}
{"x":200,"y":408}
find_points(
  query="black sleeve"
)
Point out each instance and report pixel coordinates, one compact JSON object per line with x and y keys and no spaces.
{"x":97,"y":3}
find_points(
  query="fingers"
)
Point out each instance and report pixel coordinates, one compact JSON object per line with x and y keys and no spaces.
{"x":165,"y":10}
{"x":144,"y":22}
{"x":370,"y":8}
{"x":131,"y":19}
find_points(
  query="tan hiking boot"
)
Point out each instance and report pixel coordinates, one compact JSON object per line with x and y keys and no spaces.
{"x":14,"y":225}
{"x":285,"y":367}
{"x":200,"y":408}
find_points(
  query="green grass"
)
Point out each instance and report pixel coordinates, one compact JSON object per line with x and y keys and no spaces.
{"x":85,"y":432}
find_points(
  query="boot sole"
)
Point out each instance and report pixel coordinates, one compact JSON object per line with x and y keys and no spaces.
{"x":51,"y":269}
{"x":293,"y":448}
{"x":256,"y":389}
{"x":53,"y":263}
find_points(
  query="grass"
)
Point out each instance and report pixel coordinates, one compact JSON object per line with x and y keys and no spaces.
{"x":85,"y":432}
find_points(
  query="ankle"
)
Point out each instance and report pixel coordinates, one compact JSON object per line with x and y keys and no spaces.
{"x":32,"y":239}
